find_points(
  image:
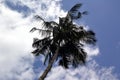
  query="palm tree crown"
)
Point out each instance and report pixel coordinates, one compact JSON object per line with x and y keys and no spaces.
{"x":66,"y":35}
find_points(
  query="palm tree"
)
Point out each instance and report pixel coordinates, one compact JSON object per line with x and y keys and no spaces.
{"x":63,"y":41}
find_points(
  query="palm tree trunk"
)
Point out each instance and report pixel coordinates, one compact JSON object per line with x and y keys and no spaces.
{"x":42,"y":77}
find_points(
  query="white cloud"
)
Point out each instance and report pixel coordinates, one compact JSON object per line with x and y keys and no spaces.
{"x":91,"y":50}
{"x":16,"y":62}
{"x":92,"y":71}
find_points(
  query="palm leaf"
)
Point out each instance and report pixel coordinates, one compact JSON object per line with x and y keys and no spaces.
{"x":41,"y":31}
{"x":75,"y":8}
{"x":85,"y":13}
{"x":46,"y":58}
{"x":36,"y":52}
{"x":39,"y":18}
{"x":46,"y":24}
{"x":33,"y":29}
{"x":64,"y":62}
{"x":49,"y":25}
{"x":41,"y":45}
{"x":89,"y":37}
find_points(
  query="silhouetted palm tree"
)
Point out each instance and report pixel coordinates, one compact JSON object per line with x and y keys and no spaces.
{"x":63,"y":41}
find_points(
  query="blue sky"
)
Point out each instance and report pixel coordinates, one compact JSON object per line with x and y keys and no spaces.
{"x":17,"y":63}
{"x":104,"y":19}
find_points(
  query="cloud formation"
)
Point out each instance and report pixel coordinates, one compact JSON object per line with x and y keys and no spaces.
{"x":92,"y":71}
{"x":16,"y":62}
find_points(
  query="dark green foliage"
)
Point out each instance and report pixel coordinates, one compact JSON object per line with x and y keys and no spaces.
{"x":70,"y":37}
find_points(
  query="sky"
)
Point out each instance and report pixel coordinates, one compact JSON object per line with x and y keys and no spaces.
{"x":16,"y":20}
{"x":103,"y":18}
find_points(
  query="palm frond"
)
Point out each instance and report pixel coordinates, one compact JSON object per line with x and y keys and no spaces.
{"x":45,"y":32}
{"x":72,"y":50}
{"x":42,"y":31}
{"x":36,"y":52}
{"x":46,"y":57}
{"x":73,"y":12}
{"x":33,"y":29}
{"x":53,"y":48}
{"x":85,"y":13}
{"x":39,"y":42}
{"x":53,"y":23}
{"x":78,"y":15}
{"x":39,"y":18}
{"x":50,"y":25}
{"x":75,"y":8}
{"x":39,"y":51}
{"x":90,"y":37}
{"x":64,"y":62}
{"x":79,"y":56}
{"x":41,"y":45}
